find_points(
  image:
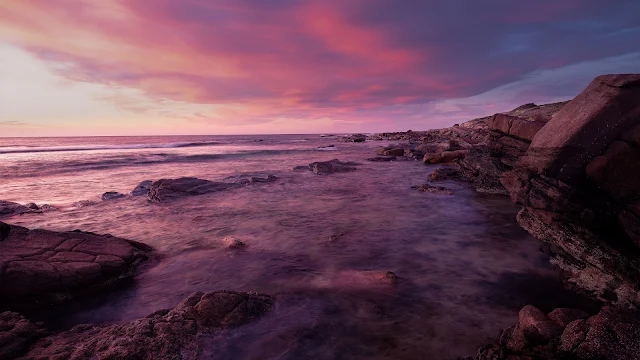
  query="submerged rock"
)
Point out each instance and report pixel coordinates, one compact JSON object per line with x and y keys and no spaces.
{"x":233,"y":243}
{"x":8,"y":208}
{"x":165,"y":334}
{"x":83,"y":203}
{"x":112,"y":195}
{"x":331,"y":166}
{"x":171,"y":189}
{"x":390,"y":151}
{"x":355,"y":138}
{"x":142,"y":189}
{"x":382,"y":158}
{"x":441,"y":190}
{"x":568,"y":334}
{"x":39,"y":263}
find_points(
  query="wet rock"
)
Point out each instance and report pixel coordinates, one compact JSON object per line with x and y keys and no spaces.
{"x":444,"y":157}
{"x":355,"y":138}
{"x":170,"y":189}
{"x":16,"y":335}
{"x":39,"y":263}
{"x":142,"y":189}
{"x":83,"y":203}
{"x":33,"y":206}
{"x":331,"y":166}
{"x":382,"y":158}
{"x":389,"y":151}
{"x":8,"y":208}
{"x":165,"y":334}
{"x":446,"y":173}
{"x":440,"y":190}
{"x":610,"y":334}
{"x":300,"y":168}
{"x":233,"y":243}
{"x":112,"y":195}
{"x":326,"y":147}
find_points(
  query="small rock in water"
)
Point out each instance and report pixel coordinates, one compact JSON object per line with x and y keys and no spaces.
{"x":382,"y":158}
{"x":433,"y":189}
{"x":83,"y":203}
{"x":33,"y":206}
{"x":112,"y":195}
{"x":142,"y":189}
{"x":446,"y":173}
{"x":233,"y":243}
{"x":331,"y":166}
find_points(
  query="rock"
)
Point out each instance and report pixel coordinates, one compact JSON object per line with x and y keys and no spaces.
{"x":610,"y":334}
{"x":629,"y":220}
{"x":355,"y":138}
{"x":446,"y":173}
{"x":16,"y":335}
{"x":165,"y":334}
{"x":389,"y":151}
{"x":444,"y":157}
{"x":617,"y":171}
{"x":35,"y":264}
{"x":441,"y":190}
{"x":112,"y":195}
{"x":326,"y":147}
{"x":142,"y":189}
{"x":515,"y":126}
{"x":33,"y":206}
{"x":577,"y":182}
{"x":484,"y":170}
{"x":8,"y":208}
{"x":300,"y":168}
{"x":83,"y":203}
{"x":564,"y":316}
{"x":382,"y":158}
{"x":233,"y":243}
{"x":331,"y":166}
{"x":170,"y":189}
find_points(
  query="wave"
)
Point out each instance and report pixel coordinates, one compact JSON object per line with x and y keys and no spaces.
{"x":21,"y":150}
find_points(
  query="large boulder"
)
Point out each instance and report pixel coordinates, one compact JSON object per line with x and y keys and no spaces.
{"x":39,"y":263}
{"x":578,"y":183}
{"x":165,"y":334}
{"x":568,"y":334}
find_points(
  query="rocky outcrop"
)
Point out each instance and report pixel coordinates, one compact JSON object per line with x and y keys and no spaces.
{"x":332,"y":166}
{"x":568,"y":334}
{"x":446,"y":173}
{"x":36,"y":264}
{"x":578,"y":185}
{"x":170,"y":189}
{"x":165,"y":334}
{"x":508,"y":136}
{"x":382,"y":158}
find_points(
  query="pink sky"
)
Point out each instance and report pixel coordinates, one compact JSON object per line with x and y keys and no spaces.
{"x":124,"y":67}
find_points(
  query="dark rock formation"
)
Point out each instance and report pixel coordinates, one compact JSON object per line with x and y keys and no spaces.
{"x":8,"y":208}
{"x":433,"y":189}
{"x":165,"y":334}
{"x":112,"y":195}
{"x":16,"y":335}
{"x":578,"y":185}
{"x":142,"y":189}
{"x":39,"y":263}
{"x":83,"y":203}
{"x":171,"y":189}
{"x":568,"y":334}
{"x":331,"y":166}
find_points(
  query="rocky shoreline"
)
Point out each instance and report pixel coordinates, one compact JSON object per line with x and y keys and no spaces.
{"x":573,"y":167}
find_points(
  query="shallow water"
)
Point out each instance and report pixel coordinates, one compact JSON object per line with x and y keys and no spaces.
{"x":465,"y":266}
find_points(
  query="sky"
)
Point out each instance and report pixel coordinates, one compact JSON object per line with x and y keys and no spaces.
{"x":173,"y":67}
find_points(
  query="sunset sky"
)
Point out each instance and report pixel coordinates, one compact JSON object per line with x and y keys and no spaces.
{"x":146,"y":67}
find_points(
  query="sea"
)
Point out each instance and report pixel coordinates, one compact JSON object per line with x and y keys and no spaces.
{"x":464,"y":265}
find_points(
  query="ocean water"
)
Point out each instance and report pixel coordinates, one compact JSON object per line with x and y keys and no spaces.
{"x":465,"y":267}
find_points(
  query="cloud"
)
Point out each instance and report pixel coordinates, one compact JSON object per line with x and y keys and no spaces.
{"x":250,"y":61}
